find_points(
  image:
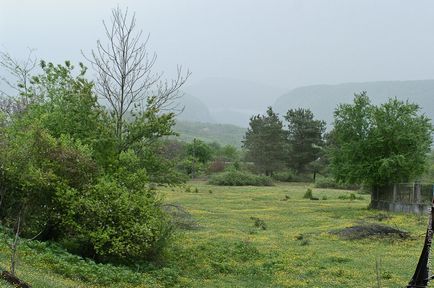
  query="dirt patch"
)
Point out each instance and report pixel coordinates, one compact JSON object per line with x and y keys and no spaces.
{"x":181,"y":218}
{"x":370,"y":230}
{"x":14,"y":280}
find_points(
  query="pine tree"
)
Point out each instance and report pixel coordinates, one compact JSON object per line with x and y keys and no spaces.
{"x":266,"y":142}
{"x":305,"y":138}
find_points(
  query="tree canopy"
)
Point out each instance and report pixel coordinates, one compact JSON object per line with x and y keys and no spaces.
{"x":379,"y":145}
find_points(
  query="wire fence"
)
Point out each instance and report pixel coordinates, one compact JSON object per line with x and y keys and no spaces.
{"x":406,"y":193}
{"x":403,"y":197}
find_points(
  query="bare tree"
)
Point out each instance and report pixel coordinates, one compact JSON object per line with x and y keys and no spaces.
{"x":125,"y":76}
{"x":18,"y":82}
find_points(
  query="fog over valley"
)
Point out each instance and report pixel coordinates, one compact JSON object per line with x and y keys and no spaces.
{"x":246,"y":55}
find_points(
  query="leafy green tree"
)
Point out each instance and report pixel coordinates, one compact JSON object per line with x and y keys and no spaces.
{"x":199,"y":150}
{"x":266,"y":142}
{"x":228,"y":153}
{"x":196,"y":158}
{"x":379,"y":145}
{"x":305,"y":139}
{"x":144,"y":135}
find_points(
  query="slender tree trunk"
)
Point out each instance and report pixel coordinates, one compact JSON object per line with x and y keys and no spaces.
{"x":14,"y":246}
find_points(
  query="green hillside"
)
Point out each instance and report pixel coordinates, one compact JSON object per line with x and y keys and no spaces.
{"x":209,"y":132}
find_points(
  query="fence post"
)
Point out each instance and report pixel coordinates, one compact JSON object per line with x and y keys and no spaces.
{"x":417,"y":193}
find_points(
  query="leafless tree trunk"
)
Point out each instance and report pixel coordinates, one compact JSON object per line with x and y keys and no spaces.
{"x":124,"y":71}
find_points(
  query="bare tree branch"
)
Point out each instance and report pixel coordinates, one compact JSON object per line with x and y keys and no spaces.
{"x":18,"y":82}
{"x":124,"y":68}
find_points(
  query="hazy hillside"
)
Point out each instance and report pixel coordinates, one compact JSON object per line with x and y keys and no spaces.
{"x":234,"y":101}
{"x":323,"y":99}
{"x":194,"y":110}
{"x":208,"y":132}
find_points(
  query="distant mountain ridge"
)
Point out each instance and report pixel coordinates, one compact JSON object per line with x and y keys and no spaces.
{"x":194,"y":110}
{"x":323,"y":99}
{"x":236,"y":108}
{"x":233,"y":101}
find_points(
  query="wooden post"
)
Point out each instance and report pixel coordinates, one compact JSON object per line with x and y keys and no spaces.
{"x":394,"y":193}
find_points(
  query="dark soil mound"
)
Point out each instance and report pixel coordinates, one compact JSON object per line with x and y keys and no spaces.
{"x":370,"y":230}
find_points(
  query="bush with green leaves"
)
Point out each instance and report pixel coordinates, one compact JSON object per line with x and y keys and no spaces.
{"x":286,"y":176}
{"x":113,"y":222}
{"x":33,"y":165}
{"x":240,"y":178}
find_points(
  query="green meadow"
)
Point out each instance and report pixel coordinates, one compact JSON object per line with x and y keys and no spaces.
{"x":250,"y":237}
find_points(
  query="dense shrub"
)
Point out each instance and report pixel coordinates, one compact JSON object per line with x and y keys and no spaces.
{"x":287,"y":176}
{"x":113,"y":221}
{"x":67,"y":178}
{"x":240,"y":178}
{"x":32,"y":165}
{"x":326,"y":182}
{"x":302,"y":177}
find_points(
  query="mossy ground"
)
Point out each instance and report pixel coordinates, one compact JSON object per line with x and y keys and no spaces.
{"x":228,"y":250}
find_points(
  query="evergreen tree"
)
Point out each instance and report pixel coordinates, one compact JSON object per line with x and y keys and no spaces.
{"x":266,"y":142}
{"x":305,"y":138}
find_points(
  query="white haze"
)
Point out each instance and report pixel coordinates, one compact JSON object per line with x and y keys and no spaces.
{"x":276,"y":43}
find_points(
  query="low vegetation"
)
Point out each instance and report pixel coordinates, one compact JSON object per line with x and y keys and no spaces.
{"x":329,"y":182}
{"x":231,"y":248}
{"x":240,"y":178}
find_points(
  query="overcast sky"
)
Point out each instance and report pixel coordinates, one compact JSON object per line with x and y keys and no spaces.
{"x":280,"y":43}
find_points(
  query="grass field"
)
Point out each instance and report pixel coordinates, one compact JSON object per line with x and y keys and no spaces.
{"x":228,"y":250}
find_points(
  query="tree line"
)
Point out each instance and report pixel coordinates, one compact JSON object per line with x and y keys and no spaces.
{"x":272,"y":147}
{"x":368,"y":144}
